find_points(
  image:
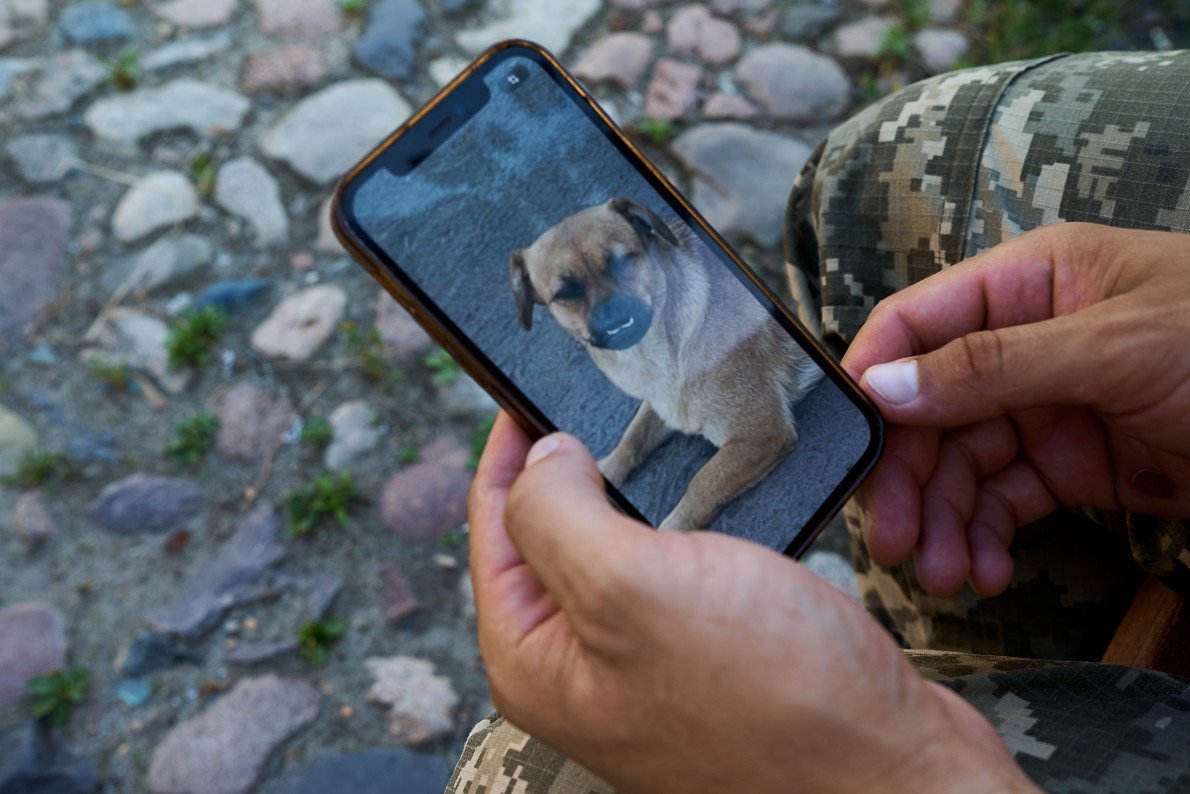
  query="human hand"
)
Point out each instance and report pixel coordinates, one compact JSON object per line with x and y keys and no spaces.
{"x":695,"y":662}
{"x":1053,"y":369}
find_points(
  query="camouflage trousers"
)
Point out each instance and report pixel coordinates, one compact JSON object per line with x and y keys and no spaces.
{"x":922,"y":179}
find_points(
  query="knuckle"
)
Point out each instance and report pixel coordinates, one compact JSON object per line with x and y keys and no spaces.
{"x":980,"y":358}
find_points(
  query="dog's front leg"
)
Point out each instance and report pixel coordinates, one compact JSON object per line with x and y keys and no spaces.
{"x":643,"y":435}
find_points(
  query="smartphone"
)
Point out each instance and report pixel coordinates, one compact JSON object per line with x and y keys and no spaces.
{"x":566,"y":275}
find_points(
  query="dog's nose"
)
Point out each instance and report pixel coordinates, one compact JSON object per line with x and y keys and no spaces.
{"x":618,"y":322}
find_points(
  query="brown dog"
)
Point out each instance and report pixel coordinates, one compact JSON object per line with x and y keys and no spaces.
{"x":668,"y":324}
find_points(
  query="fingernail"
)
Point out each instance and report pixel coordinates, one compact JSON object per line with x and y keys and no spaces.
{"x":543,"y":448}
{"x":1154,"y":484}
{"x":896,"y":383}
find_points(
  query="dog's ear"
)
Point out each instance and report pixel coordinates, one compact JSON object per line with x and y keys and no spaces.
{"x":643,"y":219}
{"x":522,"y":288}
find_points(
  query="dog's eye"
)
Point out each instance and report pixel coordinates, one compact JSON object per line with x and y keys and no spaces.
{"x":571,"y":291}
{"x":619,"y":265}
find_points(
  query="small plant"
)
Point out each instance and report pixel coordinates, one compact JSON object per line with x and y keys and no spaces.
{"x":123,"y":71}
{"x":202,"y":171}
{"x":316,"y":636}
{"x":317,"y":433}
{"x":366,"y":350}
{"x":326,"y":497}
{"x":659,"y":131}
{"x":451,"y":540}
{"x":352,"y":6}
{"x":193,"y":439}
{"x":36,"y":468}
{"x":446,"y":370}
{"x":114,"y":376}
{"x":479,"y":440}
{"x":192,"y":337}
{"x":56,"y":693}
{"x":408,"y":453}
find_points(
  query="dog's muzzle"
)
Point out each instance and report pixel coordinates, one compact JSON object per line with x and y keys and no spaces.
{"x":619,"y":322}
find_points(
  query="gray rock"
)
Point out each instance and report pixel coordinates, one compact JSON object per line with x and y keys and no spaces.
{"x":147,"y":503}
{"x":245,"y":188}
{"x":693,"y":30}
{"x":389,"y":46}
{"x":421,"y":704}
{"x":326,"y":133}
{"x":196,"y":13}
{"x":722,"y":105}
{"x":945,"y":10}
{"x":735,"y":6}
{"x":301,"y":323}
{"x":42,"y":158}
{"x":550,"y":23}
{"x":327,"y":242}
{"x":169,"y":259}
{"x":250,"y":653}
{"x":225,"y":749}
{"x":32,"y":643}
{"x":458,"y":6}
{"x":156,"y":201}
{"x":234,"y":575}
{"x":233,"y":295}
{"x":151,"y":653}
{"x":137,"y":340}
{"x":837,"y":570}
{"x":16,"y":438}
{"x":10,"y":69}
{"x":95,"y":22}
{"x":355,"y":434}
{"x":66,"y":78}
{"x":466,"y":397}
{"x":940,"y":49}
{"x":794,"y":83}
{"x":21,"y":20}
{"x":188,"y":50}
{"x":286,"y":69}
{"x":252,"y":421}
{"x":205,"y":110}
{"x":741,"y":177}
{"x":31,"y":520}
{"x":31,"y":763}
{"x":429,"y":498}
{"x":862,"y":39}
{"x":804,"y":22}
{"x":619,"y":58}
{"x":35,"y":232}
{"x":369,"y":772}
{"x":673,"y":91}
{"x":303,"y":19}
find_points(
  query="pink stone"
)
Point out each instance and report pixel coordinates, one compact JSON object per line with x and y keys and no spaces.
{"x":286,"y":69}
{"x":651,"y":23}
{"x":693,"y":30}
{"x":309,"y":19}
{"x":673,"y":90}
{"x":196,"y":13}
{"x":420,"y":702}
{"x":398,"y":601}
{"x":403,"y":338}
{"x":252,"y":421}
{"x":617,"y":58}
{"x":762,"y":25}
{"x":301,"y":323}
{"x":31,"y":520}
{"x":429,"y":498}
{"x":728,"y":106}
{"x":32,"y":643}
{"x":862,"y":39}
{"x":34,"y":233}
{"x":327,"y":242}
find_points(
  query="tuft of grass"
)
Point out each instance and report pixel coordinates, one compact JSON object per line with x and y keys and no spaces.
{"x":352,"y":6}
{"x":327,"y":496}
{"x":194,"y":335}
{"x":317,"y":433}
{"x":114,"y":376}
{"x":479,"y":440}
{"x":1008,"y":30}
{"x":55,"y":694}
{"x":659,"y":131}
{"x":451,"y":540}
{"x":202,"y":170}
{"x":366,"y":350}
{"x":194,"y":438}
{"x":408,"y":453}
{"x":445,"y":369}
{"x":36,"y":468}
{"x":316,"y":636}
{"x":123,"y":71}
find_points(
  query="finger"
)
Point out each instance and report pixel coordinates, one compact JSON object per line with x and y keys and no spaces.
{"x":891,"y":495}
{"x":1007,"y":500}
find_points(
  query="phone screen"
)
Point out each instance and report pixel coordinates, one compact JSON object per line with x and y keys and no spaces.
{"x":570,"y":272}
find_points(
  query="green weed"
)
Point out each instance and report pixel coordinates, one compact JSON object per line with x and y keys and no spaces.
{"x":446,"y":370}
{"x":114,"y":376}
{"x":194,"y":438}
{"x":36,"y":468}
{"x":203,"y":172}
{"x":408,"y":453}
{"x":366,"y":350}
{"x":326,"y":497}
{"x":352,"y":6}
{"x":123,"y":71}
{"x":316,"y":636}
{"x":479,"y":440}
{"x":194,"y":335}
{"x":317,"y":433}
{"x":56,"y":693}
{"x":659,"y":131}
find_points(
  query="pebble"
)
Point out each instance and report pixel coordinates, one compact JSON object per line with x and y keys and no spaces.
{"x":550,"y":23}
{"x":301,"y":323}
{"x":741,"y":176}
{"x":32,"y":643}
{"x":21,"y":20}
{"x":66,"y":78}
{"x":397,"y":599}
{"x":16,"y":438}
{"x":169,"y":259}
{"x":225,"y":749}
{"x":637,"y":5}
{"x":940,"y":49}
{"x":40,"y":159}
{"x":95,"y":22}
{"x":837,"y":570}
{"x":204,"y":109}
{"x":694,"y":30}
{"x":466,"y":397}
{"x":863,"y":38}
{"x":620,"y":58}
{"x":794,"y":83}
{"x":443,"y":70}
{"x":246,"y":189}
{"x":389,"y":46}
{"x":196,"y":13}
{"x":158,"y":200}
{"x":250,"y":653}
{"x":304,"y":19}
{"x":721,"y":105}
{"x":10,"y":69}
{"x":369,"y":772}
{"x":35,"y":232}
{"x":945,"y":10}
{"x":429,"y":498}
{"x":31,"y":521}
{"x":146,"y":503}
{"x":31,"y":762}
{"x":651,"y":23}
{"x":233,"y":295}
{"x":328,"y":243}
{"x":136,"y":339}
{"x":134,"y":692}
{"x":151,"y":653}
{"x":421,"y":704}
{"x":356,"y":433}
{"x":234,"y":574}
{"x":458,"y":6}
{"x":252,"y":421}
{"x":734,"y":6}
{"x":328,"y":132}
{"x":402,"y":337}
{"x":188,"y":50}
{"x":286,"y":69}
{"x":673,"y":91}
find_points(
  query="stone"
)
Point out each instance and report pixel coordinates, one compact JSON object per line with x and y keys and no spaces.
{"x":397,"y":599}
{"x":245,"y":188}
{"x":304,"y":19}
{"x":151,"y":653}
{"x":66,"y":78}
{"x":693,"y":30}
{"x":169,"y":259}
{"x":10,"y":69}
{"x":735,"y":6}
{"x":301,"y":323}
{"x":421,"y":704}
{"x":204,"y":109}
{"x":794,"y":83}
{"x":837,"y":570}
{"x":161,"y":199}
{"x":762,"y":25}
{"x":452,"y":7}
{"x":466,"y":397}
{"x":805,"y":22}
{"x":722,"y":105}
{"x":673,"y":91}
{"x":134,"y":692}
{"x":283,"y":70}
{"x":252,"y":421}
{"x":147,"y":503}
{"x":234,"y":574}
{"x":389,"y":45}
{"x":862,"y":39}
{"x":651,"y":23}
{"x":402,"y":337}
{"x":741,"y":177}
{"x":369,"y":772}
{"x":945,"y":10}
{"x":429,"y":498}
{"x":40,"y":159}
{"x":196,"y":13}
{"x":187,"y":50}
{"x":443,"y":70}
{"x":31,"y":521}
{"x":249,"y":653}
{"x":233,"y":295}
{"x":35,"y":232}
{"x":137,"y":340}
{"x":328,"y":243}
{"x":940,"y":49}
{"x":637,"y":5}
{"x":356,"y":432}
{"x":32,"y":763}
{"x":320,"y":590}
{"x":225,"y":749}
{"x":32,"y":643}
{"x":21,"y":20}
{"x":95,"y":22}
{"x":328,"y":132}
{"x":16,"y":438}
{"x":550,"y":23}
{"x":619,"y":58}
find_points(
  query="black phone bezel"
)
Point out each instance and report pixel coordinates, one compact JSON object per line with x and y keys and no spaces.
{"x":427,"y":129}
